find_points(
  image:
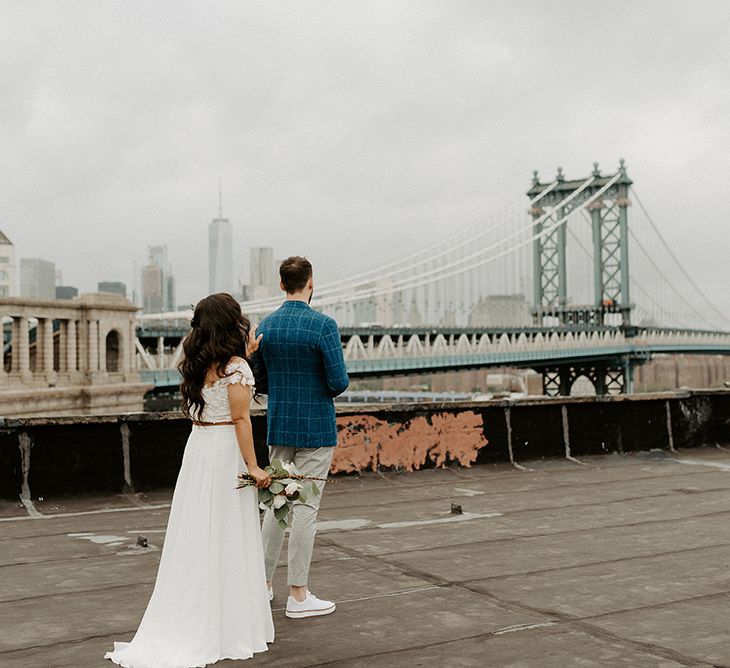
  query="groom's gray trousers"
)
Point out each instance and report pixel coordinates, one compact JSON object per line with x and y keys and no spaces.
{"x":309,"y":461}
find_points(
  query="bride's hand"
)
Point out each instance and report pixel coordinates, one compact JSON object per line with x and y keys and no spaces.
{"x":253,"y":340}
{"x":260,"y":476}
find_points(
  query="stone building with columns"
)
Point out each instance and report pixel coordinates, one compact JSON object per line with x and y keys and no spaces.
{"x":69,"y":357}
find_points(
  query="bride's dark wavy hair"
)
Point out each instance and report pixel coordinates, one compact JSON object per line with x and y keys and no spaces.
{"x":219,"y":331}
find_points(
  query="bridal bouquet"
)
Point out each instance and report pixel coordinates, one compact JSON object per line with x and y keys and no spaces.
{"x":287,"y":485}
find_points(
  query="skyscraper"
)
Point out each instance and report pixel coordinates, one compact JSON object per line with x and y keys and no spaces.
{"x":158,"y":283}
{"x":220,"y":252}
{"x":264,"y":278}
{"x":37,"y":278}
{"x":152,"y":292}
{"x":7,"y":266}
{"x":66,"y":292}
{"x":115,"y":287}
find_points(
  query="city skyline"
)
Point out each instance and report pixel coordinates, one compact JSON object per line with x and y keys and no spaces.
{"x":251,"y":273}
{"x":377,"y":142}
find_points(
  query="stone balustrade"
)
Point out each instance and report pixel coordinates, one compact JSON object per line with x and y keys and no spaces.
{"x":82,"y":359}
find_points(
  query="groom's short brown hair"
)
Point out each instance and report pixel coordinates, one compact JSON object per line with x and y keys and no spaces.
{"x":295,"y":271}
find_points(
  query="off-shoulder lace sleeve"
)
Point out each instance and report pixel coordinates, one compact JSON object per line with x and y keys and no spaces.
{"x":238,"y":373}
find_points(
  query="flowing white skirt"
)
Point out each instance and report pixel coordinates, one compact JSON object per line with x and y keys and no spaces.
{"x":210,"y":600}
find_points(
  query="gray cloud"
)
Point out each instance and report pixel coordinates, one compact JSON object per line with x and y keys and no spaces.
{"x":345,"y":130}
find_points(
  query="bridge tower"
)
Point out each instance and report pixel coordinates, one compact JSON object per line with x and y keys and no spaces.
{"x":609,"y":222}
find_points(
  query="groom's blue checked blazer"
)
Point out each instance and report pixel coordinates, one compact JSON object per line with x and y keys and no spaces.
{"x":301,"y":367}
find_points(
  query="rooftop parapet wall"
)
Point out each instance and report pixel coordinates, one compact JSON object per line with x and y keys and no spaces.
{"x":43,"y":457}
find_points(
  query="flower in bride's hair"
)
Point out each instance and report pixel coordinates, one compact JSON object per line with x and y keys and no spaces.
{"x":279,"y":501}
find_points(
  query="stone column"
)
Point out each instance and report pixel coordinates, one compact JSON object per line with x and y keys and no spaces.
{"x":102,"y":349}
{"x":130,"y":346}
{"x":93,"y":345}
{"x":23,"y":350}
{"x":3,"y":373}
{"x":123,"y":366}
{"x":45,"y":337}
{"x":15,"y":337}
{"x":62,"y":346}
{"x":71,"y":344}
{"x":46,"y":326}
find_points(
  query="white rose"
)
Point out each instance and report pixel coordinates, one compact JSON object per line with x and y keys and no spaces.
{"x":279,"y":501}
{"x":263,"y":506}
{"x":291,"y":488}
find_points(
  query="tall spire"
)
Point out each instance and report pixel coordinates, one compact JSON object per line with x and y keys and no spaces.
{"x":220,"y":198}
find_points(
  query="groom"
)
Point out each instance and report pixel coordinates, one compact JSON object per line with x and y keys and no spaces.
{"x":301,"y":359}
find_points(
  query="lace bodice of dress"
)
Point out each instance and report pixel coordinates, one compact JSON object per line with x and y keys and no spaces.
{"x":217,"y":408}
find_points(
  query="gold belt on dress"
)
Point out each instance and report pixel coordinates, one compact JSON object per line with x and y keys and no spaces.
{"x":210,"y":424}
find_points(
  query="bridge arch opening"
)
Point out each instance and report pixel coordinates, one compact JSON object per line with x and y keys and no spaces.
{"x":583,"y":387}
{"x":113,"y":348}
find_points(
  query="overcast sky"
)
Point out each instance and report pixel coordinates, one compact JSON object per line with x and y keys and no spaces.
{"x":348,"y":130}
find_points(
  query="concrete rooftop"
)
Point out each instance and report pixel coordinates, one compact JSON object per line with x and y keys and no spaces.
{"x":622,"y":561}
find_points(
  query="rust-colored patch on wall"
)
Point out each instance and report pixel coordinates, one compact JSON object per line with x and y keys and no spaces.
{"x":357,"y":443}
{"x":367,"y":442}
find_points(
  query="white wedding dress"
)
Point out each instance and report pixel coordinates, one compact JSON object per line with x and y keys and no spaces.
{"x":210,"y":600}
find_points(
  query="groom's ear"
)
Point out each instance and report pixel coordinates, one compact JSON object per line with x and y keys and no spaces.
{"x":281,"y":286}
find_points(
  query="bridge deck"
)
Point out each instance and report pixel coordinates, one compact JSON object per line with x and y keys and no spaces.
{"x":619,"y":562}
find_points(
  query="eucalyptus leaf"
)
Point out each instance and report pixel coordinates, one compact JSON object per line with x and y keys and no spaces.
{"x":279,"y":469}
{"x":276,"y":487}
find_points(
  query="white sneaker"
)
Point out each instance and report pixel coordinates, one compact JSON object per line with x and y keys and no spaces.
{"x":271,"y":594}
{"x":309,"y":607}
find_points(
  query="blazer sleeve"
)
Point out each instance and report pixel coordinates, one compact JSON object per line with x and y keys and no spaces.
{"x":335,"y":370}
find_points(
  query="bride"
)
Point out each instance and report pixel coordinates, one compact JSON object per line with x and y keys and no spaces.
{"x":210,"y":600}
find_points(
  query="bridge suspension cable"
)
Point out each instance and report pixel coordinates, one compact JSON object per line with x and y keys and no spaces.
{"x":672,"y":317}
{"x":401,"y":266}
{"x":684,"y":272}
{"x":666,"y":279}
{"x":461,"y":266}
{"x":472,"y":231}
{"x":404,"y":265}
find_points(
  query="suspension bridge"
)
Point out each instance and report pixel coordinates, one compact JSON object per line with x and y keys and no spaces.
{"x":546,"y":286}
